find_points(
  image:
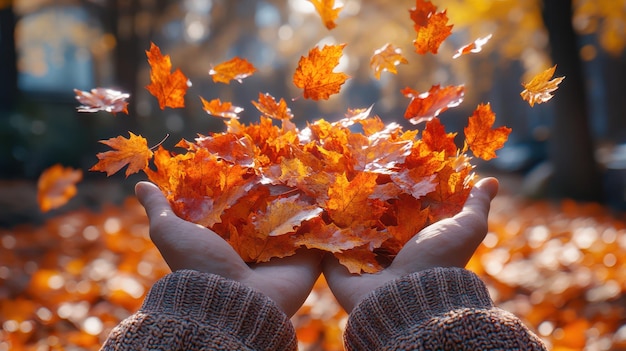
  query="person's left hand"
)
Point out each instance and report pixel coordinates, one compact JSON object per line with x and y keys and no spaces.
{"x":450,"y":242}
{"x":185,"y":245}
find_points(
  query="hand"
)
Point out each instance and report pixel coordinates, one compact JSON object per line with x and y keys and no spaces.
{"x":185,"y":245}
{"x":448,"y":243}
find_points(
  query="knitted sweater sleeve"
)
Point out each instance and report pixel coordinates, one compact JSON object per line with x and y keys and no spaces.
{"x":435,"y":309}
{"x":189,"y":310}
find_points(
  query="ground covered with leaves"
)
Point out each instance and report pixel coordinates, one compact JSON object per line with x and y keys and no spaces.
{"x":558,"y":266}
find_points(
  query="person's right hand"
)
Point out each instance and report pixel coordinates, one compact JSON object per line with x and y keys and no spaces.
{"x":448,"y":243}
{"x":185,"y":245}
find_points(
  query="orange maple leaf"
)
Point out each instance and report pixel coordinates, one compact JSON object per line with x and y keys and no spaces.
{"x":540,"y":86}
{"x":410,"y":218}
{"x":169,"y":88}
{"x":421,"y":13}
{"x":359,"y":260}
{"x":474,"y":47}
{"x":386,"y":59}
{"x":349,"y":201}
{"x":268,"y":106}
{"x":327,"y":11}
{"x":133,"y":152}
{"x":102,"y":99}
{"x":480,"y":137}
{"x":426,"y":106}
{"x":285,"y":215}
{"x":315,"y":72}
{"x":432,"y":27}
{"x":435,"y":138}
{"x":453,"y":188}
{"x":218,"y":108}
{"x":233,"y":69}
{"x":56,"y":186}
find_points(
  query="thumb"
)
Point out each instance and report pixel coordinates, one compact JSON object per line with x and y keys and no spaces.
{"x":474,"y":216}
{"x":480,"y":197}
{"x":152,"y":200}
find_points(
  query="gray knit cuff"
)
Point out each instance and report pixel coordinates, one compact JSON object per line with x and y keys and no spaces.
{"x":227,"y":305}
{"x":412,"y":300}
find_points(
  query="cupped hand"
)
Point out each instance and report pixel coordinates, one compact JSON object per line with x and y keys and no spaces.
{"x":448,"y":243}
{"x":185,"y":245}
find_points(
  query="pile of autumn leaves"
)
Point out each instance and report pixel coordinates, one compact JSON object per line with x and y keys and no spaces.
{"x":357,"y":187}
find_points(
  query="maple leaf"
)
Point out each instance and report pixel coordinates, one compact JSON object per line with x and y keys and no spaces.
{"x":426,"y":106}
{"x":410,"y":218}
{"x":328,"y":237}
{"x":386,"y":59}
{"x":133,"y":152}
{"x":540,"y":87}
{"x":285,"y":215}
{"x":474,"y":47}
{"x":349,"y":201}
{"x":102,"y":99}
{"x":268,"y":106}
{"x":436,"y":138}
{"x":327,"y":11}
{"x":480,"y":137}
{"x":432,"y":27}
{"x":359,"y":260}
{"x":233,"y":69}
{"x":453,"y":188}
{"x":56,"y":186}
{"x":218,"y":108}
{"x":169,"y":88}
{"x":315,"y":73}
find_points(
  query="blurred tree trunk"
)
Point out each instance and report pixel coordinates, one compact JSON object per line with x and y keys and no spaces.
{"x":8,"y":59}
{"x":122,"y":15}
{"x":614,"y":74}
{"x":571,"y":151}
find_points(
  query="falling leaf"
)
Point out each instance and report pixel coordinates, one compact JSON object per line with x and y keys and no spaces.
{"x":386,"y":59}
{"x":431,"y":27}
{"x":56,"y":186}
{"x":268,"y":106}
{"x":315,"y":72}
{"x":327,"y":11}
{"x":169,"y":88}
{"x":233,"y":69}
{"x":102,"y":99}
{"x":540,"y":86}
{"x":426,"y":106}
{"x":421,"y":13}
{"x":133,"y":152}
{"x":475,"y":47}
{"x":479,"y":135}
{"x":218,"y":108}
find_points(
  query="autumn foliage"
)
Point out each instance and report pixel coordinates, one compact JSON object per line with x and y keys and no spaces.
{"x":357,"y":187}
{"x":67,"y":283}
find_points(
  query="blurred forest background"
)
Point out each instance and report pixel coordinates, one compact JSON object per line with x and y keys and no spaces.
{"x":572,"y":148}
{"x":62,"y":45}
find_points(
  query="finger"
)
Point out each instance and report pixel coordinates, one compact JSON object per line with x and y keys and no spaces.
{"x":481,"y":195}
{"x":474,"y":215}
{"x":183,"y":244}
{"x":153,"y":200}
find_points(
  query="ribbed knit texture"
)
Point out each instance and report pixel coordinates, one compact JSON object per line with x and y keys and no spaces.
{"x":189,"y":310}
{"x":436,"y":309}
